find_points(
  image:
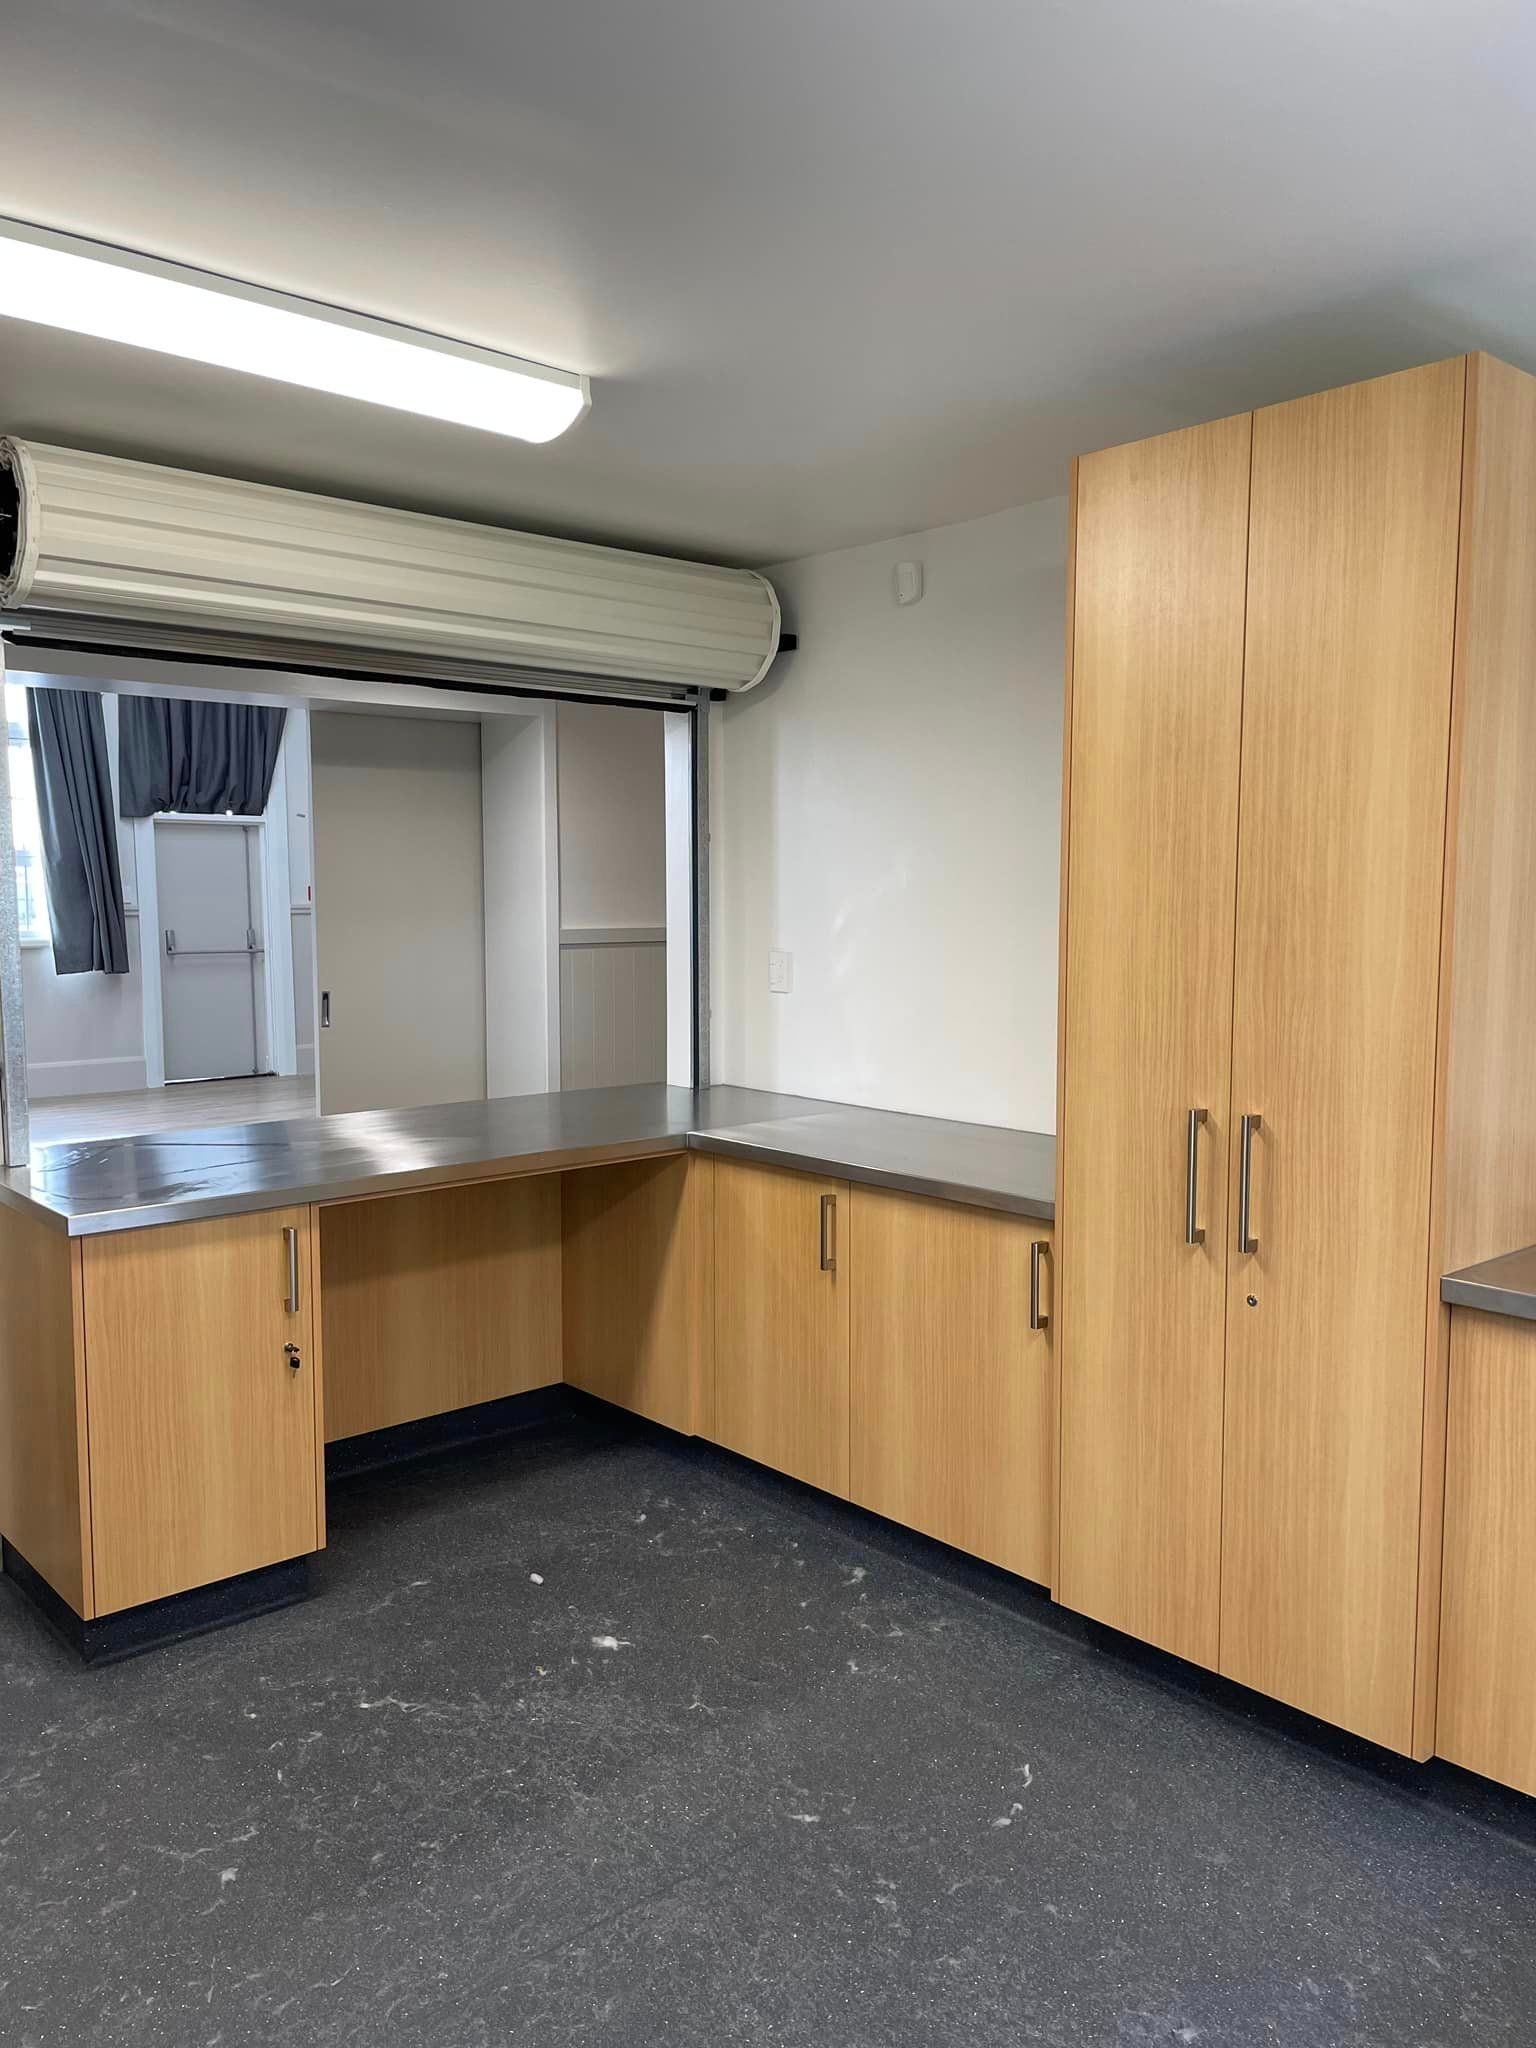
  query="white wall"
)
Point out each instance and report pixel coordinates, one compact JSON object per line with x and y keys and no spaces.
{"x":613,"y":840}
{"x":522,"y":889}
{"x":85,"y":1032}
{"x":399,"y":909}
{"x":613,"y":884}
{"x":887,"y":808}
{"x":677,"y":746}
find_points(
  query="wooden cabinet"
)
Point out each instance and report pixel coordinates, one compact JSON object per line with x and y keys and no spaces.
{"x":438,"y":1301}
{"x":781,"y":1321}
{"x":1161,"y":533}
{"x":638,"y":1287}
{"x":1488,"y":1627}
{"x":1299,"y":726}
{"x":1346,"y":730}
{"x":950,"y":1388}
{"x":45,"y":1502}
{"x":204,"y":1428}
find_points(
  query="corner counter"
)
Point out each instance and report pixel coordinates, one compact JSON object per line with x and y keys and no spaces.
{"x":1505,"y":1286}
{"x":180,"y":1177}
{"x":188,"y":1320}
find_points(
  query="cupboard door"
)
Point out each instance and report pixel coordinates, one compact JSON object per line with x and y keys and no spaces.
{"x":1487,"y":1707}
{"x":781,"y":1321}
{"x":1346,"y":713}
{"x":950,"y":1399}
{"x":204,"y":1439}
{"x":1150,"y":873}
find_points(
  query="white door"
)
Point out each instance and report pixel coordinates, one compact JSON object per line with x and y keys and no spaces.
{"x":399,"y":910}
{"x":213,"y":1000}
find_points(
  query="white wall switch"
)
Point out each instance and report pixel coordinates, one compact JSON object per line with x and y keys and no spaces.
{"x":781,"y":973}
{"x":909,"y":582}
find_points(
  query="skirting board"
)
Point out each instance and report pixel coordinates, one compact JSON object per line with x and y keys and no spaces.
{"x":116,"y":1636}
{"x":347,"y":1456}
{"x":46,"y":1078}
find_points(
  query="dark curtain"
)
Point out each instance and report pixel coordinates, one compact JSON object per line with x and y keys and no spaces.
{"x":175,"y":755}
{"x":79,"y":824}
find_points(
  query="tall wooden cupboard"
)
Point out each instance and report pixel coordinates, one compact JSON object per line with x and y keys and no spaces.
{"x":1296,"y":1011}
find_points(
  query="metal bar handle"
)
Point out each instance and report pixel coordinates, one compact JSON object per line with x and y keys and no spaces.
{"x":291,"y":1240}
{"x":829,"y":1233}
{"x":1193,"y":1232}
{"x":209,"y":952}
{"x":1038,"y":1319}
{"x":1247,"y":1243}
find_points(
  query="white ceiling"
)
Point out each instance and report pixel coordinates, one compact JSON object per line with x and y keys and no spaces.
{"x":838,"y":268}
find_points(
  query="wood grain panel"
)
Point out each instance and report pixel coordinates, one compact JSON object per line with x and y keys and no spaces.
{"x":1490,"y":1159}
{"x":1070,"y":634}
{"x":613,"y":1013}
{"x":1347,"y":691}
{"x":203,"y":1442}
{"x":950,"y":1391}
{"x":44,"y":1473}
{"x":1485,"y":1183}
{"x":1487,"y":1712}
{"x":1151,"y":872}
{"x":317,"y":1366}
{"x":781,"y":1323}
{"x":638,"y":1260}
{"x":437,"y":1301}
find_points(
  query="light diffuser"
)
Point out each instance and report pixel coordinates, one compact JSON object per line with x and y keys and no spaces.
{"x":118,"y":295}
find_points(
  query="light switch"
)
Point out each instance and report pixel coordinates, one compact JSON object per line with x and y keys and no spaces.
{"x":781,"y":973}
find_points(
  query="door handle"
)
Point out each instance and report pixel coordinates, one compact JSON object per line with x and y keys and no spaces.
{"x":291,"y":1240}
{"x":170,"y":943}
{"x":1038,"y":1319}
{"x":325,"y":1009}
{"x":1247,"y":1243}
{"x":829,"y":1233}
{"x":1193,"y":1233}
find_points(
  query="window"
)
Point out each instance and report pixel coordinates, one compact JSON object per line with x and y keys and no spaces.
{"x":31,"y":902}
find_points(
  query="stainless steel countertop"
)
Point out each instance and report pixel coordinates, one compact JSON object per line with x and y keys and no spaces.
{"x":1504,"y":1287}
{"x":977,"y":1163}
{"x":133,"y":1183}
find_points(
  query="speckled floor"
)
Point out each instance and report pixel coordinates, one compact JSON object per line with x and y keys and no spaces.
{"x":595,"y":1737}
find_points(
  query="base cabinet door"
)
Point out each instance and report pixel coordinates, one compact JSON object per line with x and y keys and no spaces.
{"x":781,"y":1321}
{"x":203,"y":1423}
{"x":1487,"y":1711}
{"x":950,"y":1387}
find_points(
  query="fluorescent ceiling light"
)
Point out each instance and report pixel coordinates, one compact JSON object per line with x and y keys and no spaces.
{"x":118,"y":295}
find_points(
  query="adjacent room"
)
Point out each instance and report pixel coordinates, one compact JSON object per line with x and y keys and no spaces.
{"x":450,"y":907}
{"x":767,"y":1131}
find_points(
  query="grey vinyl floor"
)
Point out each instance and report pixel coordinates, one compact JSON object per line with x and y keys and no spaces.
{"x":591,"y":1736}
